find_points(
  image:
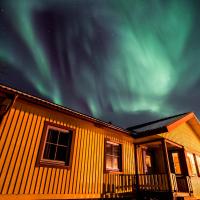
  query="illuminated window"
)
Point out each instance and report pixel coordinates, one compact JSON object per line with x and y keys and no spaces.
{"x":113,"y":156}
{"x":56,"y":146}
{"x":176,"y":161}
{"x":191,"y":164}
{"x":198,"y":163}
{"x":147,"y":161}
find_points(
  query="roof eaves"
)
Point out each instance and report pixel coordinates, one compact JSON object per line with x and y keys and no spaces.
{"x":60,"y":108}
{"x":149,"y":132}
{"x":152,"y":122}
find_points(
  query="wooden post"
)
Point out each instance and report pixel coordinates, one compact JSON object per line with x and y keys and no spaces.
{"x":184,"y":162}
{"x":167,"y":165}
{"x":136,"y":169}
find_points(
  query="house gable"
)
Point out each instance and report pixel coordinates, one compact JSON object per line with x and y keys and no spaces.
{"x":185,"y":135}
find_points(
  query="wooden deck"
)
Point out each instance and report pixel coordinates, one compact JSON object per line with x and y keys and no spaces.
{"x":121,"y":185}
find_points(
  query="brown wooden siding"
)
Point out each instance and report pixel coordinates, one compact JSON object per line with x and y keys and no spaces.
{"x":21,"y":131}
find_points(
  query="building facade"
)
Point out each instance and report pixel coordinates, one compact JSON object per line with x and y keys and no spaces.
{"x":51,"y":152}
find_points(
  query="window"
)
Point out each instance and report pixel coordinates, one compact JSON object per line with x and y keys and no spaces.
{"x":113,"y":156}
{"x":56,"y":145}
{"x":176,"y":161}
{"x":191,"y":164}
{"x":147,"y":161}
{"x":198,"y":163}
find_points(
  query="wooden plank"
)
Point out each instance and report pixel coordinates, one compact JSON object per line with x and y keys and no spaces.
{"x":14,"y":165}
{"x":74,"y":177}
{"x":9,"y":129}
{"x":52,"y":181}
{"x":9,"y":147}
{"x":60,"y":181}
{"x":86,"y":160}
{"x":38,"y":181}
{"x":63,"y":181}
{"x":95,"y":164}
{"x":89,"y":135}
{"x":43,"y":181}
{"x":29,"y":154}
{"x":6,"y":128}
{"x":20,"y":148}
{"x":101,"y":159}
{"x":49,"y":196}
{"x":70,"y":177}
{"x":28,"y":132}
{"x":82,"y":164}
{"x":56,"y":181}
{"x":69,"y":189}
{"x":91,"y":162}
{"x":48,"y":181}
{"x":98,"y":163}
{"x":34,"y":180}
{"x":35,"y":147}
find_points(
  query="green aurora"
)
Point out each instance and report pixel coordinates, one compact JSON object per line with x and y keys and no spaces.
{"x":109,"y":57}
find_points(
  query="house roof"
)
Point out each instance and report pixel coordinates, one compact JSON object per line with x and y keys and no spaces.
{"x":48,"y":104}
{"x":160,"y":126}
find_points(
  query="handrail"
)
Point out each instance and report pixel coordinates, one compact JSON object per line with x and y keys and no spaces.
{"x":118,"y":183}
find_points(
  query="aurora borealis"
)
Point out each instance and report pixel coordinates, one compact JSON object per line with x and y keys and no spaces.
{"x":125,"y":61}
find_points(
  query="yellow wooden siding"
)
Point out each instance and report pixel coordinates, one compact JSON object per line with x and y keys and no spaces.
{"x":195,"y":186}
{"x":21,"y":132}
{"x":140,"y":162}
{"x":185,"y":136}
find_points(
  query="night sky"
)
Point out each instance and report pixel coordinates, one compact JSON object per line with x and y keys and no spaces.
{"x":123,"y":61}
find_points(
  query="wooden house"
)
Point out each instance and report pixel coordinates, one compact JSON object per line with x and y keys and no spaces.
{"x":167,"y":157}
{"x":51,"y":152}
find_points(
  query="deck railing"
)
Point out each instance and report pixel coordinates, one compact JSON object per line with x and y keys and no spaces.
{"x":128,"y":183}
{"x":189,"y":183}
{"x":181,"y":183}
{"x":174,"y":182}
{"x":118,"y":183}
{"x":153,"y":182}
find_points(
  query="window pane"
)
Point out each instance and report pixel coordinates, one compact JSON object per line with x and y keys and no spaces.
{"x":148,"y":168}
{"x":108,"y":162}
{"x":52,"y":136}
{"x":116,"y":150}
{"x":148,"y":161}
{"x":49,"y":152}
{"x":191,"y":164}
{"x":108,"y":148}
{"x":64,"y":138}
{"x":176,"y":162}
{"x":61,"y":153}
{"x":115,"y":163}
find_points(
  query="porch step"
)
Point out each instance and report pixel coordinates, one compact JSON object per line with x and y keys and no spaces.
{"x":185,"y":198}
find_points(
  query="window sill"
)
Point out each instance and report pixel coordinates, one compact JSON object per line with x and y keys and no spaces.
{"x":113,"y":172}
{"x":53,"y":164}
